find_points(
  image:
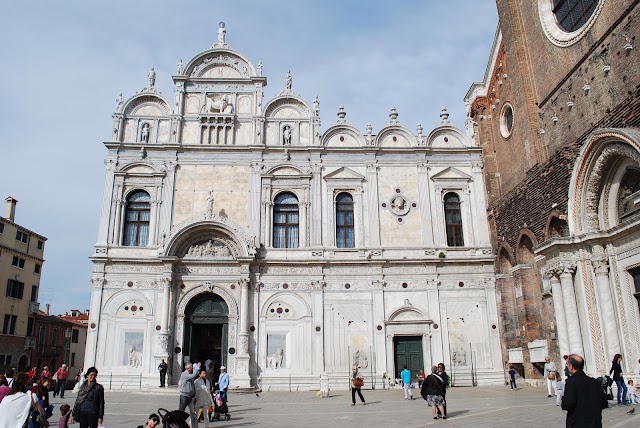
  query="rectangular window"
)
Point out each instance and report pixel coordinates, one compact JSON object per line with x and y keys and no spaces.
{"x":18,"y":262}
{"x":2,"y":360}
{"x":37,"y":268}
{"x":21,"y":236}
{"x":9,"y":326}
{"x":40,"y":244}
{"x":34,"y":293}
{"x":15,"y":289}
{"x":8,"y":360}
{"x":73,"y":359}
{"x":1,"y":228}
{"x":30,"y":322}
{"x":74,"y":336}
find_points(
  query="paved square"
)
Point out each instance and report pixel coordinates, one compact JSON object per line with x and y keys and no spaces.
{"x":493,"y":406}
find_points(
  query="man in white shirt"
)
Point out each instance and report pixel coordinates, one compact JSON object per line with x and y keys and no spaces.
{"x":550,"y":375}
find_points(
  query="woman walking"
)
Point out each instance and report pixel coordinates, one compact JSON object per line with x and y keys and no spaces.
{"x":357,"y":382}
{"x":433,"y":392}
{"x":616,"y":369}
{"x":89,"y":407}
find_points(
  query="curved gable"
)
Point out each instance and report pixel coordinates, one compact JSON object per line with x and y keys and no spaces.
{"x":220,"y":63}
{"x":395,"y":137}
{"x":287,"y":107}
{"x":147,"y":105}
{"x":447,"y":137}
{"x":342,"y":136}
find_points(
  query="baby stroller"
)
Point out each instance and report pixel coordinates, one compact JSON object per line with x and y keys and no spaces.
{"x":220,"y":405}
{"x":173,"y":419}
{"x":606,"y":383}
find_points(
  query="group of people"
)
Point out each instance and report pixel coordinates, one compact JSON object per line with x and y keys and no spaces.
{"x":197,"y":385}
{"x":433,"y":388}
{"x":24,"y":400}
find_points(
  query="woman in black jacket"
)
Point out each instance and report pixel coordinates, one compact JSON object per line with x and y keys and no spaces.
{"x":616,"y":369}
{"x":433,"y":392}
{"x":89,"y":407}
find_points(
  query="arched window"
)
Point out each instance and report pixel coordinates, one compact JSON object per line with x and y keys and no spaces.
{"x":285,"y":221}
{"x":453,"y":219}
{"x":345,"y":237}
{"x":136,"y":226}
{"x":54,"y":337}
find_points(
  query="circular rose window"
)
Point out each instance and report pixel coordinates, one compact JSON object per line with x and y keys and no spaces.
{"x":506,"y":120}
{"x":566,"y":21}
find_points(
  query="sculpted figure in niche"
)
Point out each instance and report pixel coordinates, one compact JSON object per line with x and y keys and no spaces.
{"x":144,"y":134}
{"x":135,"y":357}
{"x":286,"y":135}
{"x":459,"y":357}
{"x":360,"y":360}
{"x":274,"y":361}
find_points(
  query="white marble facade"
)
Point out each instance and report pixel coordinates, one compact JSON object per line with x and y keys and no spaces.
{"x":213,"y":160}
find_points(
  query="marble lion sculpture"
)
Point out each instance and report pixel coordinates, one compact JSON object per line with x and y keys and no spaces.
{"x":274,"y":361}
{"x":135,"y":357}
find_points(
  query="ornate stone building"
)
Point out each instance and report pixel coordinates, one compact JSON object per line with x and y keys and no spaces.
{"x":557,"y":116}
{"x":233,"y":228}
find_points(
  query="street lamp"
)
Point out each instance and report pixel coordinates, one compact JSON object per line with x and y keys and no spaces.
{"x":67,"y":345}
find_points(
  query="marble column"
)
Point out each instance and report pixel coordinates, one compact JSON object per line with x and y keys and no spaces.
{"x":372,"y":199}
{"x":107,"y":196}
{"x":424,"y":201}
{"x":558,"y":306}
{"x":242,"y":377}
{"x":571,"y":310}
{"x":162,"y":336}
{"x":607,"y":310}
{"x":93,"y":330}
{"x":316,"y":205}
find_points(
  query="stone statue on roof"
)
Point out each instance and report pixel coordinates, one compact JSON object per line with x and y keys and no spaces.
{"x":180,"y":67}
{"x":152,"y":78}
{"x":288,"y":80}
{"x":222,"y":31}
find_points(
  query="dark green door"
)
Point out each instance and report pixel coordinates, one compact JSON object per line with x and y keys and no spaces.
{"x":206,"y":329}
{"x":408,"y":351}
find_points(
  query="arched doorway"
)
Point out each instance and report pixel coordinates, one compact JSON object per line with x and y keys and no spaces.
{"x":206,"y":329}
{"x":23,"y":364}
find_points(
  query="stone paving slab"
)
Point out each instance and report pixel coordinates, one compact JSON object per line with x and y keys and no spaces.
{"x":492,"y":406}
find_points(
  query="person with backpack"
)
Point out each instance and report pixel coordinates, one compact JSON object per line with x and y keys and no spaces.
{"x":433,"y":392}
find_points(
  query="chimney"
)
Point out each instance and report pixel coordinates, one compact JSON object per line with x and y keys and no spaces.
{"x":47,"y":306}
{"x":11,"y":208}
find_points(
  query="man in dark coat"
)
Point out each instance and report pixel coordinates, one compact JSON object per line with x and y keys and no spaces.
{"x":583,"y":398}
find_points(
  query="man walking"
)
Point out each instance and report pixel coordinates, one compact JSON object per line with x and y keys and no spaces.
{"x":406,"y":381}
{"x":188,"y":392}
{"x":550,"y":375}
{"x":583,"y":398}
{"x":62,"y":375}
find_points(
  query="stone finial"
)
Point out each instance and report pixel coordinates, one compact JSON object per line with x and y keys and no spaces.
{"x":393,"y":115}
{"x":369,"y":129}
{"x":444,"y":115}
{"x":341,"y":113}
{"x":119,"y":101}
{"x":419,"y":129}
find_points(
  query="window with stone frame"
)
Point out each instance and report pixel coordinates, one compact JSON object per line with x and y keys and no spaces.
{"x":571,"y":15}
{"x":345,"y":232}
{"x":286,"y":221}
{"x":15,"y":289}
{"x":137,"y":218}
{"x":453,"y":220}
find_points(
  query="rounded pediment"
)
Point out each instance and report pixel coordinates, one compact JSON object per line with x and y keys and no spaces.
{"x":342,"y":136}
{"x":447,"y":136}
{"x":146,"y":105}
{"x":395,"y":136}
{"x":287,"y":107}
{"x":407,"y":314}
{"x":215,"y":238}
{"x":220,"y":63}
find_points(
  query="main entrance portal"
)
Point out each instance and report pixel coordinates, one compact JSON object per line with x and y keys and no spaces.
{"x":206,"y":328}
{"x":408,"y":351}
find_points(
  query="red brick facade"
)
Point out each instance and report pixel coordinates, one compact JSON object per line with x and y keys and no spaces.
{"x":559,"y":96}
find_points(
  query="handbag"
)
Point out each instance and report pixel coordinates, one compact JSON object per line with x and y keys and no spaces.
{"x":358,"y":382}
{"x":551,"y":376}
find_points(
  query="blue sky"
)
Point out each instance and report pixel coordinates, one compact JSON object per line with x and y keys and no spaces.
{"x":65,"y":62}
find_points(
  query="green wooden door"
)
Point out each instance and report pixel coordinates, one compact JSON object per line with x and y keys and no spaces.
{"x":408,"y":351}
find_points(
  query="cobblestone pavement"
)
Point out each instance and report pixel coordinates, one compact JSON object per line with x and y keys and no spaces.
{"x":493,"y":407}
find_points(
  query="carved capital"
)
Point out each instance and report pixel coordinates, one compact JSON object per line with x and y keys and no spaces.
{"x":98,"y":282}
{"x":166,"y":282}
{"x":243,"y":283}
{"x":568,"y":268}
{"x":600,"y":266}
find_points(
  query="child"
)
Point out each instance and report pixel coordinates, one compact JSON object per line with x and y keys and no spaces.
{"x":559,"y":389}
{"x":63,"y":422}
{"x":632,"y":393}
{"x":512,"y":376}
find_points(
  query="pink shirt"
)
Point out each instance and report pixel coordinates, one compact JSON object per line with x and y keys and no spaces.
{"x":632,"y":389}
{"x":63,"y":422}
{"x":4,"y":391}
